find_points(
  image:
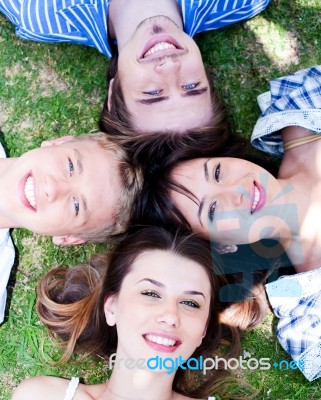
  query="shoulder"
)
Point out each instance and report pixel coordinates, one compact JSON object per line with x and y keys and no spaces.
{"x":41,"y":387}
{"x":182,"y":397}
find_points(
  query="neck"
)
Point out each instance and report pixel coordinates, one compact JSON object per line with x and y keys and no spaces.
{"x":141,"y":384}
{"x":126,"y":15}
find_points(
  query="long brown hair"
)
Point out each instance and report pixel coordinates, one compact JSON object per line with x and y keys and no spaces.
{"x":71,"y":301}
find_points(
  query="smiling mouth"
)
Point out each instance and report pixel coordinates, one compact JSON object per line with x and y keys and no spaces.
{"x":29,"y":191}
{"x":161,"y":340}
{"x":159,"y":47}
{"x":258,"y":197}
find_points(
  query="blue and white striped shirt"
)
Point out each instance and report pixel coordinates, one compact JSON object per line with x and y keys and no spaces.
{"x":85,"y":21}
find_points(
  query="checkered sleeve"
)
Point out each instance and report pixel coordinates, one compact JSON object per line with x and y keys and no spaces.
{"x":293,"y":100}
{"x":296,"y":301}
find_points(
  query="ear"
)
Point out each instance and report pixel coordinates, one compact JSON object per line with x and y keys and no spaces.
{"x":57,"y":141}
{"x":110,"y":91}
{"x":110,"y":310}
{"x":67,"y":240}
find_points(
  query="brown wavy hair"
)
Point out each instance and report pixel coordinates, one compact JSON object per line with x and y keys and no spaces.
{"x":71,"y":303}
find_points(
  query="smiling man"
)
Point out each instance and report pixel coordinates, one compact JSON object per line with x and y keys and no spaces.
{"x":160,"y":82}
{"x":61,"y":190}
{"x":162,"y":77}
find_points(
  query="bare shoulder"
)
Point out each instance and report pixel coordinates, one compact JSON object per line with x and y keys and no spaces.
{"x":181,"y":397}
{"x":51,"y":388}
{"x":41,"y":387}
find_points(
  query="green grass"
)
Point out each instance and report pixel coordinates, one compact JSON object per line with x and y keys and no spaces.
{"x":55,"y":90}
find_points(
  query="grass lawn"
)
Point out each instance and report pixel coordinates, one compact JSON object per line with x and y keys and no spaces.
{"x":53,"y":90}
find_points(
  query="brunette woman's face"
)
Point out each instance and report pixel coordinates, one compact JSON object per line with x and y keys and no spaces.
{"x":162,"y":308}
{"x":230,"y":200}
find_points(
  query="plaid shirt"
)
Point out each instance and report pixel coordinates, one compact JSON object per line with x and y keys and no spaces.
{"x":293,"y":100}
{"x":85,"y":21}
{"x":296,"y":301}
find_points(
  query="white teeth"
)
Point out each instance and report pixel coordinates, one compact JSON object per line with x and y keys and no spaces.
{"x":256,"y":200}
{"x":30,"y":192}
{"x":161,"y":340}
{"x":158,"y":47}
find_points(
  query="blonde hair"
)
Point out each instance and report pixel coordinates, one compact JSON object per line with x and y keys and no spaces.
{"x":130,"y":178}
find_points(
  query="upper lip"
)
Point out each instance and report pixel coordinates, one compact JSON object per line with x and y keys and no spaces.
{"x":179,"y":50}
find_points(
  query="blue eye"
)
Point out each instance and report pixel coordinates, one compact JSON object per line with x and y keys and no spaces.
{"x":71,"y":166}
{"x":76,"y":206}
{"x":217,"y":173}
{"x":150,"y":293}
{"x":154,"y":92}
{"x":190,"y":86}
{"x":190,"y":303}
{"x":211,"y":211}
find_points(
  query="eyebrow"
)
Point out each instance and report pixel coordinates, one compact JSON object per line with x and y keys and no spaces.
{"x":80,"y":169}
{"x":153,"y":100}
{"x":207,"y":177}
{"x":160,"y":284}
{"x":156,"y":283}
{"x":79,"y":161}
{"x":194,"y":92}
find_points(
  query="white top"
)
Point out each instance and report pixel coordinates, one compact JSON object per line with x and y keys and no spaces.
{"x":73,"y":384}
{"x":7,"y":254}
{"x":71,"y":389}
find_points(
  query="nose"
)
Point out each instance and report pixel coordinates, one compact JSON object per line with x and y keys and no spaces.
{"x":231,"y":194}
{"x":167,"y":65}
{"x":54,"y":188}
{"x":169,"y":315}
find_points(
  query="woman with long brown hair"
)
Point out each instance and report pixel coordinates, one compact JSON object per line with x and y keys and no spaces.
{"x":159,"y":300}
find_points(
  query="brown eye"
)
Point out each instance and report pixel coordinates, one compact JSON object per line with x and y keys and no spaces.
{"x":211,"y":211}
{"x":217,"y":173}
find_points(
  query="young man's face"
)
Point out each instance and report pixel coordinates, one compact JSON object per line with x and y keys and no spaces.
{"x":63,"y":189}
{"x":163,"y":78}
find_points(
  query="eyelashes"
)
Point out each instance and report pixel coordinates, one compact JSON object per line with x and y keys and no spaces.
{"x":186,"y":88}
{"x":190,"y":86}
{"x":217,"y":173}
{"x":75,"y":201}
{"x":153,"y":294}
{"x":155,"y":92}
{"x":212,"y":206}
{"x":150,"y":293}
{"x":211,"y":211}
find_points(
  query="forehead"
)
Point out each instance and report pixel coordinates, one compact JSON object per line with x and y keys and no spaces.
{"x":100,"y":182}
{"x":178,"y":113}
{"x":170,"y":269}
{"x":190,"y":172}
